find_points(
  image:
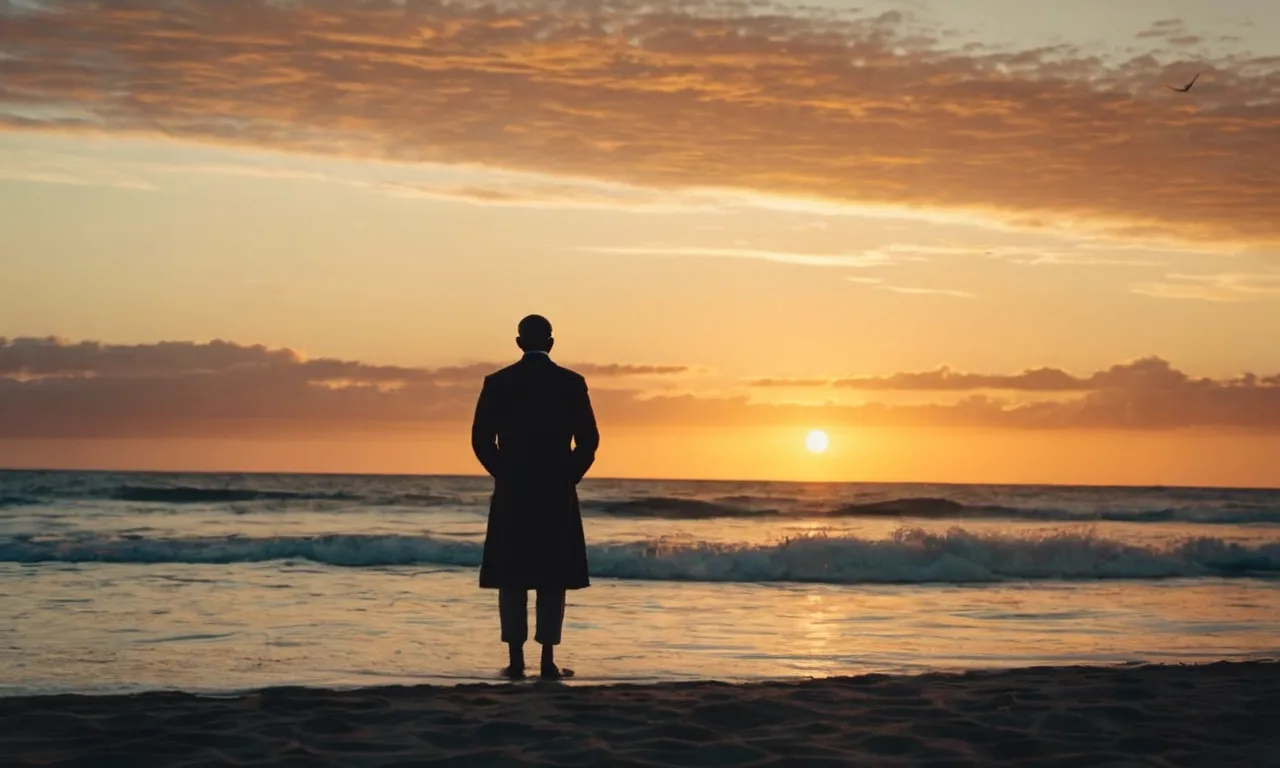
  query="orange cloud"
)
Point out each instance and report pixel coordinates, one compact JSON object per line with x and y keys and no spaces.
{"x":53,"y":357}
{"x":945,"y":379}
{"x":57,"y":389}
{"x":1148,"y":373}
{"x":868,"y":110}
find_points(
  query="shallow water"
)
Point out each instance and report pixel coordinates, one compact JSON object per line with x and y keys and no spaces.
{"x":109,"y":594}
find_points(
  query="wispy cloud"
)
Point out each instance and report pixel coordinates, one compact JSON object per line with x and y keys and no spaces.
{"x":519,"y":190}
{"x":929,"y":291}
{"x":1071,"y":257}
{"x":892,"y":254}
{"x":243,"y":171}
{"x":73,"y":179}
{"x":51,"y":168}
{"x":1164,"y":28}
{"x":881,"y":284}
{"x":701,"y":94}
{"x":1220,"y":287}
{"x":848,"y":260}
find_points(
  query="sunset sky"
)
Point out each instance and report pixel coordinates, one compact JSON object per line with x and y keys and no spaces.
{"x":973,"y":240}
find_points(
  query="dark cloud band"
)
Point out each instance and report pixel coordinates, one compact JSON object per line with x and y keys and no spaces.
{"x":55,"y":389}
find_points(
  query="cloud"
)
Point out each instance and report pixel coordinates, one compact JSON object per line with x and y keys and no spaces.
{"x":1165,"y":28}
{"x":238,"y":171}
{"x":1223,"y":287}
{"x":53,"y":357}
{"x":944,"y":379}
{"x":1082,"y":253}
{"x":72,"y":178}
{"x":1086,"y":253}
{"x":675,"y":96}
{"x":482,"y":186}
{"x":51,"y":388}
{"x":909,"y":290}
{"x":916,"y":291}
{"x":510,"y":190}
{"x":1147,"y":394}
{"x":1146,"y":373}
{"x":1074,"y":252}
{"x":620,"y":369}
{"x":53,"y":168}
{"x":853,"y":260}
{"x":1171,"y":31}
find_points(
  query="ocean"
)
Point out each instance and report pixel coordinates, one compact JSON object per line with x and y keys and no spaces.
{"x":217,"y":583}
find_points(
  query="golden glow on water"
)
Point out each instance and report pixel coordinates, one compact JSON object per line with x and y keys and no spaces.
{"x":319,"y":589}
{"x":209,"y":628}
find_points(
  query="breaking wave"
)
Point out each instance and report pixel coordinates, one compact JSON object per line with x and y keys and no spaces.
{"x":909,"y":556}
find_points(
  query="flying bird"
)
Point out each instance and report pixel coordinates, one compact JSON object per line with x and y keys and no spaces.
{"x":1186,"y":87}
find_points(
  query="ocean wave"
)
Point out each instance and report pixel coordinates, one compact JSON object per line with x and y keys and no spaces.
{"x":666,"y":500}
{"x":1239,"y":515}
{"x":192,"y":495}
{"x":197,"y":495}
{"x":17,"y":501}
{"x":675,"y":508}
{"x":909,"y":556}
{"x":924,"y":507}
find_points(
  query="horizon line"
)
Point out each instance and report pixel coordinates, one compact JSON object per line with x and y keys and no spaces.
{"x":454,"y":475}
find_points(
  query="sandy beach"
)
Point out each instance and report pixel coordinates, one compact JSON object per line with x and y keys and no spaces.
{"x":1221,"y":714}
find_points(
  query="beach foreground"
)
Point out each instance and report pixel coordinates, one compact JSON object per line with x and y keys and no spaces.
{"x":1218,"y":714}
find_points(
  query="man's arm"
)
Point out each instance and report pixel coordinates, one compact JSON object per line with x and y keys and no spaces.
{"x":484,"y":431}
{"x":586,"y":436}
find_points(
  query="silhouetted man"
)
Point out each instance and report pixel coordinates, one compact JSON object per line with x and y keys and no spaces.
{"x":526,"y":417}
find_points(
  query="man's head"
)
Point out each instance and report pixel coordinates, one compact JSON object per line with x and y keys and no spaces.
{"x":535,"y":334}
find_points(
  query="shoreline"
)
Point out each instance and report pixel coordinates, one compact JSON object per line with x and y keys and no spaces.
{"x":1222,"y":714}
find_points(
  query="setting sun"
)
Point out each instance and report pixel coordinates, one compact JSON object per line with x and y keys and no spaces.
{"x":816,"y":441}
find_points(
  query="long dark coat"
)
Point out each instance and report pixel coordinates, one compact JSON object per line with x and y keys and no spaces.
{"x":527,"y":415}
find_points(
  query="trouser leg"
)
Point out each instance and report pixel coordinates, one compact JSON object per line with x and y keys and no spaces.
{"x":550,"y":612}
{"x":513,"y":612}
